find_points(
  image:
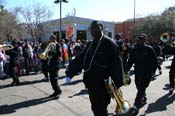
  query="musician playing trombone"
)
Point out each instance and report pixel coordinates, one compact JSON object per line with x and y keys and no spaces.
{"x":100,"y":59}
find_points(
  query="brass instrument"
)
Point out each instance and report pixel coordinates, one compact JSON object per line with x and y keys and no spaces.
{"x":50,"y":47}
{"x":7,"y":46}
{"x":172,"y":44}
{"x":126,"y":80}
{"x":165,"y":37}
{"x":123,"y":105}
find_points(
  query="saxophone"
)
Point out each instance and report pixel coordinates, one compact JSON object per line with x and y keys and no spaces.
{"x":123,"y":105}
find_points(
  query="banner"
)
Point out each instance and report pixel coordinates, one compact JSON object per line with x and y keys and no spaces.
{"x":70,"y":32}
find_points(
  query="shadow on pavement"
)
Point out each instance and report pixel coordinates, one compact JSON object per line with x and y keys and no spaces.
{"x":72,"y":83}
{"x":7,"y":109}
{"x":82,"y":92}
{"x":24,"y":83}
{"x":166,"y":87}
{"x":61,"y":77}
{"x":154,"y":77}
{"x":168,"y":67}
{"x":160,"y":104}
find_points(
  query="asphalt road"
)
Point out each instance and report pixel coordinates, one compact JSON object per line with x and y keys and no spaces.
{"x":30,"y":98}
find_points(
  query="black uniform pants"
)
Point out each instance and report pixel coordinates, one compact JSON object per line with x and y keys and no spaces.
{"x":141,"y":94}
{"x":142,"y":82}
{"x":53,"y":79}
{"x":45,"y":70}
{"x":14,"y":73}
{"x":172,"y":79}
{"x":99,"y":99}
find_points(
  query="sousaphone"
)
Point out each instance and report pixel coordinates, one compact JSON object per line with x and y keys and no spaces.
{"x":165,"y":37}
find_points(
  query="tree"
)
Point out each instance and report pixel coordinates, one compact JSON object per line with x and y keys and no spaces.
{"x":32,"y":18}
{"x":168,"y":19}
{"x":9,"y":28}
{"x":155,"y":25}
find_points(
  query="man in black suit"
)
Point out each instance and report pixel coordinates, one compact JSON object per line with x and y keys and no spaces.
{"x":145,"y":61}
{"x":100,"y":59}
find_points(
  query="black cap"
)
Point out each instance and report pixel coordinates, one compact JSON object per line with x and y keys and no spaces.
{"x":142,"y":36}
{"x":95,"y":23}
{"x":53,"y":37}
{"x":14,"y":43}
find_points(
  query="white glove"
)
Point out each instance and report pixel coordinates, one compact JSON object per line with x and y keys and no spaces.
{"x":68,"y":80}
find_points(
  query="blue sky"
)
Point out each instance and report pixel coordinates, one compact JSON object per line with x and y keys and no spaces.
{"x":107,"y":10}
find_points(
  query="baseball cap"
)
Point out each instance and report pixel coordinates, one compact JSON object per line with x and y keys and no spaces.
{"x":142,"y":36}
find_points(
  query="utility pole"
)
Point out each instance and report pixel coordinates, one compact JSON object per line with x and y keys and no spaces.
{"x":56,"y":2}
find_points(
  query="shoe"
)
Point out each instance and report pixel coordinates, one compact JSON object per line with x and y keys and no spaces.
{"x":160,"y":72}
{"x":59,"y":92}
{"x":144,"y":99}
{"x":45,"y":79}
{"x":56,"y":94}
{"x":171,"y":91}
{"x":142,"y":103}
{"x":13,"y":83}
{"x":133,"y":111}
{"x":17,"y":83}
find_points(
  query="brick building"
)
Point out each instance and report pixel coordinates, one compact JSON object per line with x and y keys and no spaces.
{"x":124,"y":28}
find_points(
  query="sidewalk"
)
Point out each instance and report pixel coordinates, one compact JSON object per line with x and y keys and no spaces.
{"x":31,"y":97}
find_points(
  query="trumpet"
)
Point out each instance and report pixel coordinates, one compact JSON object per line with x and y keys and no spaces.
{"x":50,"y":47}
{"x":123,"y":105}
{"x":6,"y":46}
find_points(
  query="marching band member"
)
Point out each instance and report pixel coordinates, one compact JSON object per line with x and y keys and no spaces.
{"x":100,"y":59}
{"x":172,"y":72}
{"x":145,"y":61}
{"x":14,"y":57}
{"x":54,"y":65}
{"x":2,"y":59}
{"x":172,"y":76}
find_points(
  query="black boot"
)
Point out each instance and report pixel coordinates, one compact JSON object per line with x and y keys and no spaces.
{"x":56,"y":94}
{"x":17,"y":82}
{"x":13,"y":83}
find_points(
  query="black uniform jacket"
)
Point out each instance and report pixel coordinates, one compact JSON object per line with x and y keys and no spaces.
{"x":172,"y":68}
{"x":145,"y":61}
{"x":105,"y":63}
{"x":13,"y":53}
{"x":54,"y":61}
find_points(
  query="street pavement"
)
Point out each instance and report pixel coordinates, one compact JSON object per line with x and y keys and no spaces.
{"x":30,"y":98}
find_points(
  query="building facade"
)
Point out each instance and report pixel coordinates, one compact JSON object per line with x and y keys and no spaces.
{"x":75,"y":28}
{"x":125,"y":28}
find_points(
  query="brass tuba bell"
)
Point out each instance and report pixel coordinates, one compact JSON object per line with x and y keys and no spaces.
{"x":172,"y":44}
{"x":123,"y":105}
{"x":165,"y":37}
